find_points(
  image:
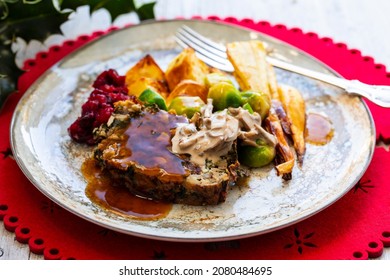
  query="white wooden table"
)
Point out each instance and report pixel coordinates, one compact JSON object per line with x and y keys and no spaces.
{"x":360,"y":24}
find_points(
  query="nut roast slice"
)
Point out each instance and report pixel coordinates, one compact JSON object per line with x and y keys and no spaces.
{"x":136,"y":152}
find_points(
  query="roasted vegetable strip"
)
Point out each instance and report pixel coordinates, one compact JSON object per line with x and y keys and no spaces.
{"x":248,"y":60}
{"x":253,"y":72}
{"x":272,"y":83}
{"x":294,"y":105}
{"x":281,"y":113}
{"x":284,"y":156}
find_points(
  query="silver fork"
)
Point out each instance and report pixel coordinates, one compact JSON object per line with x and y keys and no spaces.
{"x":214,"y":54}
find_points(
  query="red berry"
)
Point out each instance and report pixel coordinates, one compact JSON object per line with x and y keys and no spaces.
{"x":109,"y":88}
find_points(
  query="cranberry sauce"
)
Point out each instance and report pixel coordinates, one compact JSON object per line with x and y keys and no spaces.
{"x":109,"y":87}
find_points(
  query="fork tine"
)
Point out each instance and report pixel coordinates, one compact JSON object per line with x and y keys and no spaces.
{"x":205,"y":58}
{"x":197,"y":46}
{"x":218,"y":48}
{"x":201,"y":45}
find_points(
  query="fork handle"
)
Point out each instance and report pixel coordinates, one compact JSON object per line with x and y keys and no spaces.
{"x":379,"y":95}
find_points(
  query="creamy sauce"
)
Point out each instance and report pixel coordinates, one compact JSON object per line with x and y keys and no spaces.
{"x":217,"y":132}
{"x":251,"y":129}
{"x":213,"y":140}
{"x":319,"y":129}
{"x":119,"y":199}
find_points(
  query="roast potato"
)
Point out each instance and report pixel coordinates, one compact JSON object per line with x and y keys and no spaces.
{"x":186,"y":66}
{"x":146,"y":74}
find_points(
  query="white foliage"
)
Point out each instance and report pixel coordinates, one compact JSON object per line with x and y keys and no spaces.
{"x":80,"y":22}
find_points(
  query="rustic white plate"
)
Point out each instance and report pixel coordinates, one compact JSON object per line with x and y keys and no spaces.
{"x":51,"y":161}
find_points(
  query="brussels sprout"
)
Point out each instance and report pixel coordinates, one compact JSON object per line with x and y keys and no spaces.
{"x":259,"y":101}
{"x":224,"y":95}
{"x":150,"y":97}
{"x":186,"y":105}
{"x":248,"y":107}
{"x":256,"y":156}
{"x":215,"y":78}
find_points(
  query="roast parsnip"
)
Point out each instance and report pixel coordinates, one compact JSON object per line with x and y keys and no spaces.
{"x":285,"y":158}
{"x":294,"y":105}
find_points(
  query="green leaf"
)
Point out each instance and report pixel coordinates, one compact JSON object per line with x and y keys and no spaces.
{"x":38,"y":19}
{"x":115,"y":7}
{"x":29,"y":21}
{"x":19,"y":10}
{"x":146,"y":11}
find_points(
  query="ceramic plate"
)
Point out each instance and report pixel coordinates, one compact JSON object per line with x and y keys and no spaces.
{"x":49,"y":158}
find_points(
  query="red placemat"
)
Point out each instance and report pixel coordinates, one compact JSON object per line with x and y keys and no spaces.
{"x":355,"y":227}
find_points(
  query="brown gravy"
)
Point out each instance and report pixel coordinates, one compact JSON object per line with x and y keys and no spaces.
{"x":119,"y":199}
{"x":319,"y":129}
{"x":145,"y":141}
